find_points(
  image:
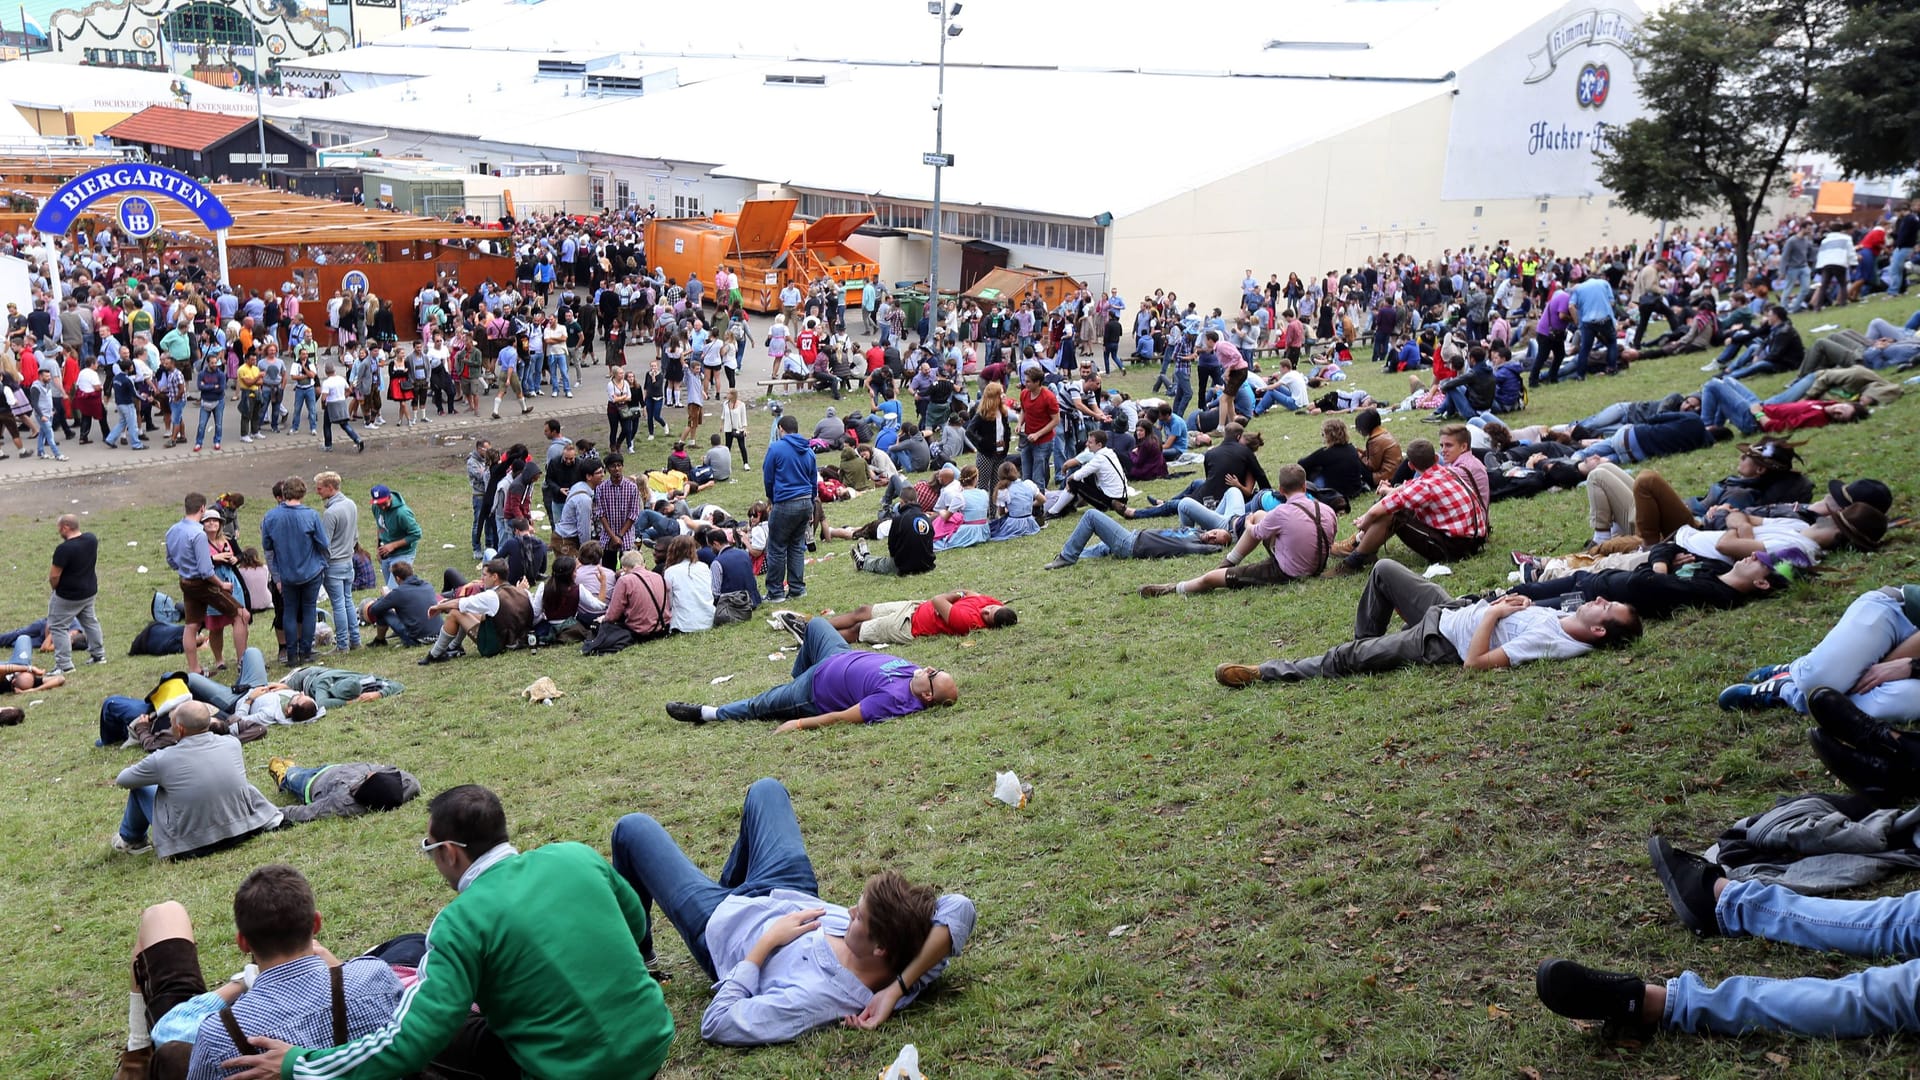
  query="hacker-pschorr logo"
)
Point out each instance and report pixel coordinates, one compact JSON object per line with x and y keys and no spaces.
{"x":1593,"y":86}
{"x":1595,"y":28}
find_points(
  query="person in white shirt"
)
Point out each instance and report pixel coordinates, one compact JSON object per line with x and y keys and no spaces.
{"x":734,"y":423}
{"x":464,"y":614}
{"x":689,"y":587}
{"x":1099,"y":479}
{"x":336,"y":404}
{"x":1439,"y":630}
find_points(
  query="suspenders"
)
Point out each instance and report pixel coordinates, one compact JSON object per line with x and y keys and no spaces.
{"x":239,"y":1036}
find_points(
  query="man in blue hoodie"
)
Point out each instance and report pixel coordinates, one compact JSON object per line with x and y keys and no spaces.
{"x":791,"y":477}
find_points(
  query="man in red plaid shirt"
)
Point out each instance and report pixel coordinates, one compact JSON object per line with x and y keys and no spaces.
{"x":1440,"y":514}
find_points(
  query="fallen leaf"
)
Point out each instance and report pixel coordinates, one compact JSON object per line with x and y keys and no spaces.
{"x":1495,"y":1012}
{"x":1781,"y":1060}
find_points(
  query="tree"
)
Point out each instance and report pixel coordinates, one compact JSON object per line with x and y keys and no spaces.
{"x":1866,"y":110}
{"x":1728,"y":86}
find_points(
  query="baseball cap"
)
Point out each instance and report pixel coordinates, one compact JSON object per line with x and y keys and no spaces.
{"x":1871,"y":492}
{"x":381,"y":493}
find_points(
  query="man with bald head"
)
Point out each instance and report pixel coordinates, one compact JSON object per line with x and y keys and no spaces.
{"x":75,"y":586}
{"x":194,"y":795}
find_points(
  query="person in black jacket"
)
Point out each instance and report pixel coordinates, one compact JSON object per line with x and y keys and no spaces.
{"x":1337,"y":465}
{"x":1671,"y":579}
{"x":1469,"y":393}
{"x":1765,"y":475}
{"x":525,"y":553}
{"x":909,"y":546}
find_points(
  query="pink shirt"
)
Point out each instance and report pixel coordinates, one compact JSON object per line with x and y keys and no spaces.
{"x":1228,"y":356}
{"x":1289,"y":531}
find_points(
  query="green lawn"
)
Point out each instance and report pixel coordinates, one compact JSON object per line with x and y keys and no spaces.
{"x":1343,"y":878}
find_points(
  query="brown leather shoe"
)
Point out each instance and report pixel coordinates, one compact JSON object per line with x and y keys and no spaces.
{"x":1236,"y":676}
{"x":134,"y":1064}
{"x":1343,"y":549}
{"x":1151,"y":591}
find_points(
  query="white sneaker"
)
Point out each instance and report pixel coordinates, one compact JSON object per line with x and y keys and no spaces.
{"x":1710,"y":366}
{"x":120,"y":844}
{"x":246,"y":438}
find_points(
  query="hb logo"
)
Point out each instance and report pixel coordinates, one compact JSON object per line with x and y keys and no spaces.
{"x":137,"y":217}
{"x":1593,"y":85}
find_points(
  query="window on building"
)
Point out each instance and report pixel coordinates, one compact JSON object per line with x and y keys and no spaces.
{"x":686,"y":206}
{"x":204,"y":23}
{"x":622,"y":194}
{"x":1543,"y":207}
{"x":597,"y":191}
{"x":1079,"y":239}
{"x":1479,"y":210}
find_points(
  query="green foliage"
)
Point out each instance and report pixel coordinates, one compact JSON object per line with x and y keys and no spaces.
{"x":1866,"y":109}
{"x":1727,"y":86}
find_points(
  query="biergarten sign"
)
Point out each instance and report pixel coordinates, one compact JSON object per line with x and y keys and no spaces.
{"x":60,"y":211}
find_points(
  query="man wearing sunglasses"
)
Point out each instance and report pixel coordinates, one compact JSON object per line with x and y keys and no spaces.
{"x":519,"y":919}
{"x":834,"y":683}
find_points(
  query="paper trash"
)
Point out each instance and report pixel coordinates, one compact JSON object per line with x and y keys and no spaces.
{"x":906,"y":1066}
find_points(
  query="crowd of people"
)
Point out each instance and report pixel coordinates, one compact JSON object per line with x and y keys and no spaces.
{"x":981,"y":425}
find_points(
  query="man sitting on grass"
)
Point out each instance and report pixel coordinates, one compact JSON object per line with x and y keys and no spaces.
{"x":833,"y":683}
{"x":784,"y":961}
{"x":1477,"y":634}
{"x":898,"y":622}
{"x":1441,"y":513}
{"x":194,"y":795}
{"x":294,"y":988}
{"x":1298,"y":535}
{"x":1879,"y":1000}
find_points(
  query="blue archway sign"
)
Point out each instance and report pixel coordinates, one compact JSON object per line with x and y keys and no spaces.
{"x":63,"y":207}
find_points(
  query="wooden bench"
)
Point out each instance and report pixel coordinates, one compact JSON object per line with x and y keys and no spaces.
{"x":768,"y":386}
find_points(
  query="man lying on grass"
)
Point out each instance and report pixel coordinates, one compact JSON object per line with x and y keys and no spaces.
{"x":834,"y":683}
{"x":1479,"y":634}
{"x":1879,"y":1000}
{"x":784,"y":961}
{"x":898,"y":622}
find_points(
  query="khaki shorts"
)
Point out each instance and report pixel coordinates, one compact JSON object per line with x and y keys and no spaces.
{"x":892,"y":624}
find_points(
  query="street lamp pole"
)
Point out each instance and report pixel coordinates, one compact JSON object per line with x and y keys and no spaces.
{"x":940,"y":8}
{"x":259,"y":110}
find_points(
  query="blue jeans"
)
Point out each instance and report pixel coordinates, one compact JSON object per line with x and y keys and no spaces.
{"x":1757,"y":367}
{"x":1279,"y":397}
{"x":1182,"y":389}
{"x":346,"y":621}
{"x":1870,"y":1002}
{"x":304,"y":399}
{"x":138,"y":814}
{"x":558,"y":375}
{"x":129,"y":422}
{"x":386,"y":566}
{"x":787,"y":526}
{"x":1457,"y":403}
{"x":1872,"y":625}
{"x":302,"y":601}
{"x":483,"y":530}
{"x":1110,"y":358}
{"x":294,"y":782}
{"x":1794,"y":296}
{"x":1194,"y":514}
{"x":1896,"y":272}
{"x":1115,"y":539}
{"x":794,"y":699}
{"x":22,"y":650}
{"x":1795,"y":390}
{"x":1036,"y":462}
{"x":1589,"y":333}
{"x":253,"y":672}
{"x":218,"y":414}
{"x":1604,"y":421}
{"x":768,"y":854}
{"x":1728,"y":401}
{"x":43,"y":439}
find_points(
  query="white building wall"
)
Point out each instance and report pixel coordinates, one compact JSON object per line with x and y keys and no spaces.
{"x":1373,"y":190}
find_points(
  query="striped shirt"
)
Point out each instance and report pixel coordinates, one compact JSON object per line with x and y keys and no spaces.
{"x":293,"y":1002}
{"x":616,"y":504}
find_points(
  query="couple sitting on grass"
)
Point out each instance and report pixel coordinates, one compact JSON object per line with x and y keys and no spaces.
{"x":543,"y":964}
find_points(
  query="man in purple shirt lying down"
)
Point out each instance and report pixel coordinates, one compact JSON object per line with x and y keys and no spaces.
{"x":784,"y":961}
{"x":834,"y":683}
